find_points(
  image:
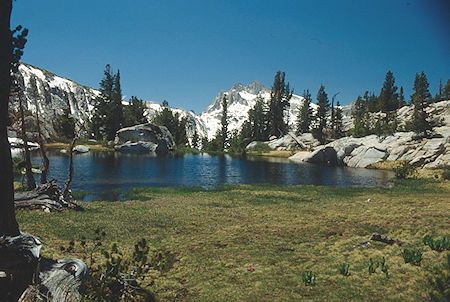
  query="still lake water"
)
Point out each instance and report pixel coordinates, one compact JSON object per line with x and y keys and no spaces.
{"x":105,"y":171}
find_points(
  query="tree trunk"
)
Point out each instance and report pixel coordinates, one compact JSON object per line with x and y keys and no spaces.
{"x":8,"y":223}
{"x":41,"y":145}
{"x":31,"y":184}
{"x":69,"y":180}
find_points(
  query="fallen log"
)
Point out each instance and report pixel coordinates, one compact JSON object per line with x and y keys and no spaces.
{"x":59,"y":281}
{"x":26,"y":277}
{"x":47,"y":197}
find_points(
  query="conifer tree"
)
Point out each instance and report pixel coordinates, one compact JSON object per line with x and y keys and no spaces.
{"x":279,"y":100}
{"x":360,"y":115}
{"x":446,"y":92}
{"x":388,"y":104}
{"x":108,"y":114}
{"x":133,"y":113}
{"x":338,"y":130}
{"x":194,"y":141}
{"x":420,"y":99}
{"x":224,"y":122}
{"x":305,"y":114}
{"x":174,"y":123}
{"x":401,"y":98}
{"x":323,"y":106}
{"x":257,"y":118}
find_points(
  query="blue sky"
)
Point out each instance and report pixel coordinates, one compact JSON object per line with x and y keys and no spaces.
{"x":186,"y":51}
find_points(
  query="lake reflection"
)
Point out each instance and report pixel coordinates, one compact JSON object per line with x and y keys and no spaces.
{"x":103,"y":171}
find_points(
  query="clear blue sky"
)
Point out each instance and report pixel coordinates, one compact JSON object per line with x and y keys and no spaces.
{"x":186,"y":51}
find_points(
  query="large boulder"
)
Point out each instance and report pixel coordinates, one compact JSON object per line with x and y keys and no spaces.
{"x":81,"y":149}
{"x":145,"y":138}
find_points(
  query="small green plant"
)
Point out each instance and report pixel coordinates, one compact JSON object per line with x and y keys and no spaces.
{"x":373,"y":265}
{"x":439,"y":281}
{"x":343,"y":269}
{"x":405,"y":170}
{"x":308,"y":278}
{"x":413,"y":256}
{"x":440,"y":244}
{"x":384,"y":267}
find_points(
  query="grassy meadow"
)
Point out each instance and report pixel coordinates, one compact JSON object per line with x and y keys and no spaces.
{"x":254,"y":242}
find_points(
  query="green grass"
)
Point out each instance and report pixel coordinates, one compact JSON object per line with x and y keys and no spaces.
{"x":254,"y":242}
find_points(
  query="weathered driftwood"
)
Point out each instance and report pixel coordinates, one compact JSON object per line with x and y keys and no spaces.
{"x":47,"y":197}
{"x":386,"y":239}
{"x":59,"y":281}
{"x":18,"y":264}
{"x":50,"y":280}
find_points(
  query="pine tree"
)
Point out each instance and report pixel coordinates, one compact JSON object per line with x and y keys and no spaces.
{"x":224,"y":122}
{"x":108,"y":113}
{"x":133,"y":113}
{"x":446,"y":92}
{"x":257,"y":118}
{"x":338,"y":130}
{"x":388,"y":104}
{"x":65,"y":124}
{"x":360,"y":115}
{"x":305,"y":114}
{"x":420,"y":99}
{"x":401,"y":98}
{"x":323,"y":106}
{"x":279,"y":99}
{"x":195,"y":139}
{"x":174,"y":123}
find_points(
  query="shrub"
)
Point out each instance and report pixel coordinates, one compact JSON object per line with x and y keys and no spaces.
{"x":343,"y":269}
{"x":413,"y":256}
{"x":440,"y":244}
{"x":308,"y":278}
{"x":439,"y":281}
{"x":405,"y":170}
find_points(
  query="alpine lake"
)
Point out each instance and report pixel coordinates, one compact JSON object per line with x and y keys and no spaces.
{"x":108,"y":175}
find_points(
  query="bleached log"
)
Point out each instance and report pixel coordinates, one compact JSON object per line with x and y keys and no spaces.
{"x":59,"y":281}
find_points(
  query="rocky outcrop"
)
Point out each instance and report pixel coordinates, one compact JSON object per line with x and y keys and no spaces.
{"x":145,"y":138}
{"x":289,"y":142}
{"x":365,"y":151}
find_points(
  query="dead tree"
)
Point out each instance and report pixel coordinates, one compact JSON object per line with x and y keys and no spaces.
{"x":69,"y":179}
{"x":31,"y":184}
{"x":19,"y":261}
{"x":41,"y":141}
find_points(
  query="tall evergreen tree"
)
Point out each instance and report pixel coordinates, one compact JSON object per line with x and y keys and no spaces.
{"x":108,"y":114}
{"x":174,"y":123}
{"x":360,"y":115}
{"x":133,"y":113}
{"x":279,"y":100}
{"x":446,"y":91}
{"x":338,"y":130}
{"x":388,"y":103}
{"x":420,"y":99}
{"x":323,"y":106}
{"x":305,"y":114}
{"x":195,"y":140}
{"x":224,"y":123}
{"x":257,"y":118}
{"x":401,"y":98}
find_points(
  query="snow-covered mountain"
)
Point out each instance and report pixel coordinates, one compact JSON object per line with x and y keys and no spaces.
{"x":57,"y":93}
